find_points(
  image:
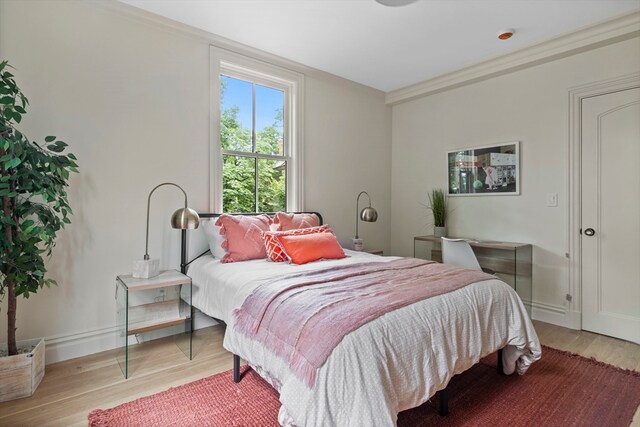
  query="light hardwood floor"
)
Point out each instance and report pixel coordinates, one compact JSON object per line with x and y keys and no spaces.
{"x":72,"y":388}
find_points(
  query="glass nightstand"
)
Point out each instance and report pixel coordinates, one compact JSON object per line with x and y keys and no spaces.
{"x":147,"y":305}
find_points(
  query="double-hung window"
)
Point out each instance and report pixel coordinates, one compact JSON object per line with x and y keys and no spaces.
{"x":256,"y":143}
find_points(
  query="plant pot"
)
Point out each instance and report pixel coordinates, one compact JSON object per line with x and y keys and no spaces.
{"x":21,"y":374}
{"x":439,"y":231}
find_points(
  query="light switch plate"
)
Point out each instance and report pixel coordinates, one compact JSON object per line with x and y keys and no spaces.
{"x":552,"y":199}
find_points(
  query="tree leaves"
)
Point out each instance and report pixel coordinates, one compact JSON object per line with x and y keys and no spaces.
{"x":12,"y":162}
{"x":57,"y":147}
{"x":239,"y":172}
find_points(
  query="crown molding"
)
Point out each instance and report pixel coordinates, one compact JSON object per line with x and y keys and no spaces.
{"x":165,"y":24}
{"x":604,"y":33}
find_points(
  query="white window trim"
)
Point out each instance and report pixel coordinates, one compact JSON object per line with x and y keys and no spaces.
{"x":224,"y":61}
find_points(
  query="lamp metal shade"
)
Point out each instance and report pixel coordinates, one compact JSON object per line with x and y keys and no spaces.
{"x":369,"y":214}
{"x":395,"y":3}
{"x":185,"y":218}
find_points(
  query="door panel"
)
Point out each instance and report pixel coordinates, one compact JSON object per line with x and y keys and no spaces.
{"x":611,"y":207}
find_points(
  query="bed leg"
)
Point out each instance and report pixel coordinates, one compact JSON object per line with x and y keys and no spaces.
{"x":500,"y":363}
{"x":236,"y":368}
{"x":444,"y":402}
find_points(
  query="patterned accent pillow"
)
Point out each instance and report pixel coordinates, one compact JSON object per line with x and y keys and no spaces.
{"x":293,"y":221}
{"x":305,"y":248}
{"x":243,"y":236}
{"x":274,"y":249}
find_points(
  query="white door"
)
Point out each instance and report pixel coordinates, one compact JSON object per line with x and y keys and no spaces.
{"x":611,"y":214}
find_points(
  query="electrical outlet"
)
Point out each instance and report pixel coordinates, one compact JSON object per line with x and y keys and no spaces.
{"x":161,"y":295}
{"x":552,"y":199}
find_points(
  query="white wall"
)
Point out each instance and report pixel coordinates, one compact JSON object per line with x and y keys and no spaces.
{"x":531,"y":106}
{"x":347,"y":150}
{"x":131,"y":97}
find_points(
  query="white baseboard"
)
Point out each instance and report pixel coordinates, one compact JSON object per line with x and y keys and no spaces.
{"x":574,"y":320}
{"x":65,"y":347}
{"x":555,"y":314}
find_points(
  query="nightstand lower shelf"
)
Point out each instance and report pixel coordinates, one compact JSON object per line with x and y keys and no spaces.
{"x":152,"y":308}
{"x":154,"y":325}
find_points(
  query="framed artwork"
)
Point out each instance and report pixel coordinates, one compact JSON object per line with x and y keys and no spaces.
{"x":490,"y":170}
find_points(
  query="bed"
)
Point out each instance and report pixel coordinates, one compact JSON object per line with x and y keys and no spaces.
{"x":394,"y":362}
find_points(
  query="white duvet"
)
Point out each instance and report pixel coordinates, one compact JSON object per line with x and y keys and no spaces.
{"x":393,"y":363}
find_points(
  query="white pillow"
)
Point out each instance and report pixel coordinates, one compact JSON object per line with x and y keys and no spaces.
{"x":212,"y":233}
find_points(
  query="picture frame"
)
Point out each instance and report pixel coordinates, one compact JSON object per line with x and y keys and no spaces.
{"x":488,"y":170}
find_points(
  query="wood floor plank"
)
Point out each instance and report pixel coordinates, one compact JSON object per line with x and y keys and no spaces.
{"x":71,"y":389}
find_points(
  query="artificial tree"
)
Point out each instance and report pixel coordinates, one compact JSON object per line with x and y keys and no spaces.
{"x":33,"y":191}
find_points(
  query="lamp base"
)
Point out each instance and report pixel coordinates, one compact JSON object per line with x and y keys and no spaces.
{"x":146,"y":268}
{"x":358,"y":244}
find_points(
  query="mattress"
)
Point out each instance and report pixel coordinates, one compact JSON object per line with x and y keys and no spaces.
{"x":218,"y":289}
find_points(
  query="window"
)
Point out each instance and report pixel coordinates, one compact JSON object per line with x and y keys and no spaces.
{"x":256,"y":143}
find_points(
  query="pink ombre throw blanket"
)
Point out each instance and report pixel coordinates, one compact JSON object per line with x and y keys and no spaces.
{"x":302,"y":317}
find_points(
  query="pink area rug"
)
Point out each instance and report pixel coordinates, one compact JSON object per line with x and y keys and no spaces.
{"x":561,"y":389}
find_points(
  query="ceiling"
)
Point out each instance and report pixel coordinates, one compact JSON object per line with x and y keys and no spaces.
{"x":387,"y":48}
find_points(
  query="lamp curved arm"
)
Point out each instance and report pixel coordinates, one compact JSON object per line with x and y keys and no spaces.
{"x":146,"y":245}
{"x":358,"y":209}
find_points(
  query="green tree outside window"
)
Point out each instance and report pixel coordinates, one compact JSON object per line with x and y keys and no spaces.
{"x":240,"y":169}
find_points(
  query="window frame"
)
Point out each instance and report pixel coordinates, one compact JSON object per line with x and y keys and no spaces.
{"x":234,"y":65}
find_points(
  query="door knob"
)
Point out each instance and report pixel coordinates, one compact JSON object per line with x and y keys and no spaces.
{"x":590,"y":232}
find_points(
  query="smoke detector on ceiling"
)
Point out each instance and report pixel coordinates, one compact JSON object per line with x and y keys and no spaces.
{"x":506,"y":34}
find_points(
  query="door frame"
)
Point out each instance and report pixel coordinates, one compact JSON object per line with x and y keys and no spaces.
{"x":576,"y":95}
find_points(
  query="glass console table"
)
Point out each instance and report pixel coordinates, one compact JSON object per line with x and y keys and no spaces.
{"x":147,"y":305}
{"x":511,"y":262}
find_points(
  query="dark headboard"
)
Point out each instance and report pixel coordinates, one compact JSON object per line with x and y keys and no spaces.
{"x":184,"y":262}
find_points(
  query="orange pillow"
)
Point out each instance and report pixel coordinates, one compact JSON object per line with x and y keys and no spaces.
{"x":294,"y":221}
{"x":306,"y":248}
{"x":243,"y":236}
{"x":274,"y":250}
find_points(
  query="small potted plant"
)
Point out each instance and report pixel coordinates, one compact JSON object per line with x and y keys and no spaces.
{"x":438,"y":207}
{"x":34,"y":207}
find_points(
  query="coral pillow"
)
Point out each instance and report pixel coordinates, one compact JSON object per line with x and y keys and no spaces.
{"x":291,"y":221}
{"x":274,"y":250}
{"x":305,"y":248}
{"x":243,"y":236}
